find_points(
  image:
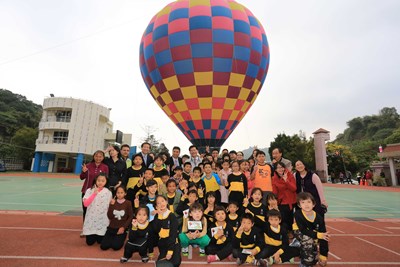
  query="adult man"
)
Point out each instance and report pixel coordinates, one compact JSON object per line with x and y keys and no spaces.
{"x":147,"y":160}
{"x":175,"y":160}
{"x":125,"y":148}
{"x":277,"y":157}
{"x":195,"y":159}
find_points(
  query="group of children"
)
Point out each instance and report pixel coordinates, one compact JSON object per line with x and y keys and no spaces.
{"x":191,"y":209}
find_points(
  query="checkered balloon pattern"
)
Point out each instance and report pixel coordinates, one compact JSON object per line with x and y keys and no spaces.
{"x":204,"y":62}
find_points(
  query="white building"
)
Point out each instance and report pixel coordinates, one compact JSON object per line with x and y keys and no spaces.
{"x":70,"y":131}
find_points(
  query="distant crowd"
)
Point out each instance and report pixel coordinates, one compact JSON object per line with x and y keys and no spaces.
{"x":244,"y":210}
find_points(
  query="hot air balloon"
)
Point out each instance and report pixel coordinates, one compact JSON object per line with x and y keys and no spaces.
{"x":204,"y":62}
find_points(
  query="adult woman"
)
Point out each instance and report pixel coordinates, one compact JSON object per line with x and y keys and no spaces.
{"x":284,"y":187}
{"x":307,"y":181}
{"x":90,"y":171}
{"x":116,"y":167}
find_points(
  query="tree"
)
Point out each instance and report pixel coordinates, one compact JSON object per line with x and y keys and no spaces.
{"x":295,"y":147}
{"x":24,"y":142}
{"x":151,"y":139}
{"x":340,"y":159}
{"x":394,"y":138}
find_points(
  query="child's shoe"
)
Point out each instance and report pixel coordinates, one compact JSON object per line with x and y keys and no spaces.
{"x":145,"y":259}
{"x":185,"y":251}
{"x":212,"y":258}
{"x":263,"y":263}
{"x":202,"y":252}
{"x":123,"y":260}
{"x":295,"y":243}
{"x":231,"y":258}
{"x":291,"y":260}
{"x":270,"y":260}
{"x":239,"y":261}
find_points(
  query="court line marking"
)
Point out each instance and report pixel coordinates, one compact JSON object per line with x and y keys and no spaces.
{"x":377,"y":235}
{"x":78,"y":230}
{"x":393,"y":228}
{"x":34,"y":192}
{"x":376,"y":245}
{"x":39,"y":204}
{"x":40,"y":229}
{"x":363,"y":203}
{"x":335,"y":229}
{"x":333,"y":255}
{"x":183,"y":262}
{"x":373,"y":227}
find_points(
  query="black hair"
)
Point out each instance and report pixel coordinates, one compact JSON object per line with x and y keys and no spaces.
{"x":97,"y":176}
{"x":197,"y":169}
{"x":279,"y":149}
{"x":259,"y":152}
{"x":193,"y":146}
{"x":125,"y":145}
{"x":219,"y":208}
{"x":137,"y":155}
{"x":233,"y":203}
{"x":304,"y":196}
{"x":151,"y":182}
{"x":176,"y":147}
{"x":170,"y":181}
{"x":145,"y":143}
{"x":142,"y":207}
{"x":150,"y":169}
{"x":187,"y":163}
{"x":274,"y":213}
{"x":121,"y":186}
{"x":248,"y":216}
{"x":193,"y":192}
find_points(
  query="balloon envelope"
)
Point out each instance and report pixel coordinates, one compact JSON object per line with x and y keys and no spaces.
{"x":204,"y":62}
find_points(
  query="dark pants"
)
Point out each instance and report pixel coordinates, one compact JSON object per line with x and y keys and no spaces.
{"x":264,"y":199}
{"x":112,"y":240}
{"x":91,"y":239}
{"x":287,"y":215}
{"x":222,"y":251}
{"x":237,"y":197}
{"x":83,"y":207}
{"x":237,"y":253}
{"x":289,"y":252}
{"x":308,"y":249}
{"x":176,"y":256}
{"x":130,"y":249}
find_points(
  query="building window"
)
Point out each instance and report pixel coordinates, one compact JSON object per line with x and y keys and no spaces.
{"x":60,"y":137}
{"x":63,"y":116}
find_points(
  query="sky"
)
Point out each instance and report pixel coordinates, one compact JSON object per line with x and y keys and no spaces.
{"x":330,"y":61}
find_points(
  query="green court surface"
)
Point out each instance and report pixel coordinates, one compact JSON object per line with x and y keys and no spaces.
{"x":64,"y":196}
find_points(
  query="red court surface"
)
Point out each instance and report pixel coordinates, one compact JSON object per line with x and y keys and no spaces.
{"x":36,"y":238}
{"x":53,"y":240}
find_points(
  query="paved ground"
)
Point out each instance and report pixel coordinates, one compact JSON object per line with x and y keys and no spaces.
{"x":61,"y":194}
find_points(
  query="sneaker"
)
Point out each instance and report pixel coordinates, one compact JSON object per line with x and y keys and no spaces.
{"x":295,"y":243}
{"x":291,"y":260}
{"x":211,"y":258}
{"x":185,"y":252}
{"x":202,"y":252}
{"x":270,"y":260}
{"x":145,"y":259}
{"x":122,"y":260}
